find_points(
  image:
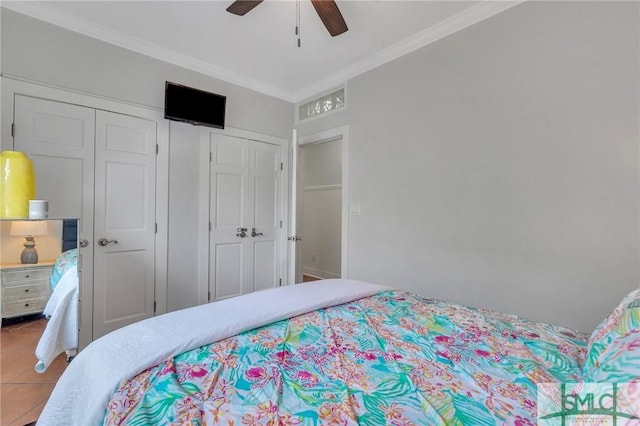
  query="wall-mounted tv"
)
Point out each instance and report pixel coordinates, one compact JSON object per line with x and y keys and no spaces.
{"x":182,"y":103}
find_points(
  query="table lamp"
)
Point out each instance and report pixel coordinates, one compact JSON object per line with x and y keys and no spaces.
{"x":29,"y":229}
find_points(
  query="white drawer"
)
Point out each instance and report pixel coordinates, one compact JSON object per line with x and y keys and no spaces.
{"x":18,"y":277}
{"x":37,"y":289}
{"x":23,"y":307}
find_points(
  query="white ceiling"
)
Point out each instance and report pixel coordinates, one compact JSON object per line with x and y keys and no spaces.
{"x":259,"y":50}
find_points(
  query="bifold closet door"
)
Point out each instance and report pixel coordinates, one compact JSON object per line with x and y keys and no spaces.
{"x":245,"y":203}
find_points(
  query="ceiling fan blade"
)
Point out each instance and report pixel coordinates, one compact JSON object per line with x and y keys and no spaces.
{"x":330,"y":15}
{"x":240,"y":7}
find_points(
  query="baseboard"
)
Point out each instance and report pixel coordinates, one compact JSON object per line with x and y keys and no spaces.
{"x":317,"y":273}
{"x":24,"y":318}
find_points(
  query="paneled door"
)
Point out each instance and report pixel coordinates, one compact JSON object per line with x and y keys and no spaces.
{"x":124,"y":221}
{"x":86,"y":158}
{"x":59,"y":139}
{"x":246,"y":233}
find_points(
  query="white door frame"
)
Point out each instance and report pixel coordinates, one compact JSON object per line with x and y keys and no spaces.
{"x":204,"y":194}
{"x":12,"y":86}
{"x":326,"y":136}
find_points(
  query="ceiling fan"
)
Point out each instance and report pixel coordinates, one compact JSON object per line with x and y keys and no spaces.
{"x":327,"y":11}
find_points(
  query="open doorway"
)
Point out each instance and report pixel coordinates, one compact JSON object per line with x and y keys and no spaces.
{"x":320,"y":209}
{"x":321,"y":212}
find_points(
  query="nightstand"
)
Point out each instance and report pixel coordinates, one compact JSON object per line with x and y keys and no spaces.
{"x":25,"y":288}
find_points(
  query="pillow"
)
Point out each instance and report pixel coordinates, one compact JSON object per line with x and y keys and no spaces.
{"x":615,"y":341}
{"x":620,"y":361}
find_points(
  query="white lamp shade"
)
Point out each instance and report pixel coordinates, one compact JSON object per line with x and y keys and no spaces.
{"x":24,"y":228}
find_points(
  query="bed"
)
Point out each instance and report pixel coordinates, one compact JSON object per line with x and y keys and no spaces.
{"x":61,"y":332}
{"x":337,"y":352}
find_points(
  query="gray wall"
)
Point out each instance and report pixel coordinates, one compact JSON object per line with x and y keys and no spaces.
{"x":499,"y":167}
{"x":40,"y":52}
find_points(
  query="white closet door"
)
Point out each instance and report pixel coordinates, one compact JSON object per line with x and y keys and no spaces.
{"x":264,"y":198}
{"x":59,"y":139}
{"x":125,"y":181}
{"x":229,"y":254}
{"x":245,"y":199}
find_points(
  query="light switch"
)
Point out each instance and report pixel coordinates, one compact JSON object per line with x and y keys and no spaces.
{"x":355,"y":209}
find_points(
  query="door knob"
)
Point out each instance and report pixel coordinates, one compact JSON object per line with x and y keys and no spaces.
{"x":255,"y":234}
{"x":103,"y":242}
{"x":83,"y":243}
{"x":242,"y":232}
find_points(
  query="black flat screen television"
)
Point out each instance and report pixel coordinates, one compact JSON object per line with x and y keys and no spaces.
{"x":182,"y":103}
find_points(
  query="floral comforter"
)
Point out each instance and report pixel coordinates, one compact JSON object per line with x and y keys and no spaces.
{"x":64,"y":262}
{"x":393,"y":358}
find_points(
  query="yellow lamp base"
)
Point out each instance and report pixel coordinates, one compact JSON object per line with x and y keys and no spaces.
{"x":17,"y":184}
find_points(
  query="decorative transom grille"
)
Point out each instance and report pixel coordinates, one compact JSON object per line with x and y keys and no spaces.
{"x":322,"y":105}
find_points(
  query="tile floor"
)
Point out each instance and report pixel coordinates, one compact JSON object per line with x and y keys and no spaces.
{"x":23,"y":392}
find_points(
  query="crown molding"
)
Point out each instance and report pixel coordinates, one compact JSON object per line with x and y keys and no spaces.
{"x":464,"y":19}
{"x":91,"y":29}
{"x":455,"y":23}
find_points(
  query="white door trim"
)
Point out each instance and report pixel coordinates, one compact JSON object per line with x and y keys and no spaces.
{"x":204,"y":194}
{"x":326,"y":136}
{"x":10,"y":87}
{"x":292,"y":247}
